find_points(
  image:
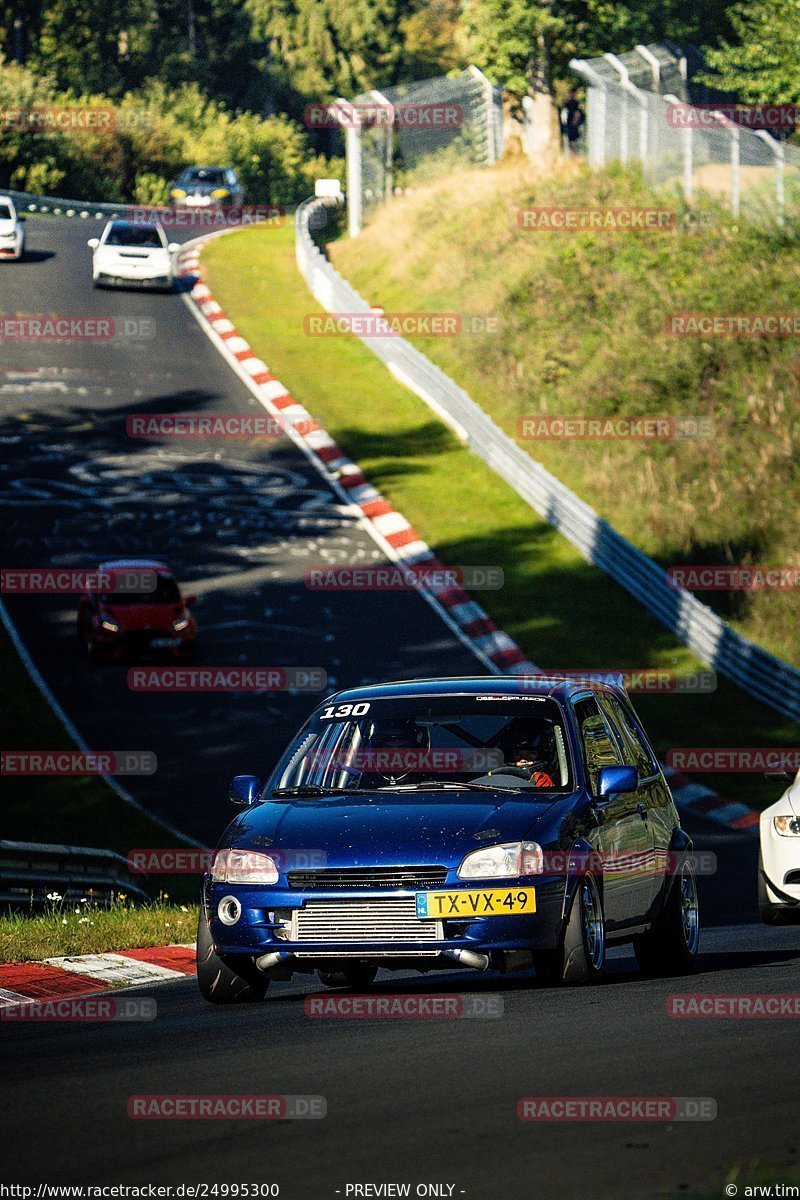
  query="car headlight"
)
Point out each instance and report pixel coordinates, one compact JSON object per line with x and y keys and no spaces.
{"x":787,"y":826}
{"x":508,"y":861}
{"x":180,"y":623}
{"x":109,"y":625}
{"x":220,"y":193}
{"x":243,"y":866}
{"x":177,"y":193}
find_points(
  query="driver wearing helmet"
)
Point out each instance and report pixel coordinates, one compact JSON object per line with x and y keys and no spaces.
{"x":396,"y":748}
{"x":527,"y":753}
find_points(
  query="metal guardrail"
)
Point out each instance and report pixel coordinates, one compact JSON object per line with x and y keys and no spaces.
{"x":60,"y":206}
{"x":29,"y":871}
{"x":698,"y":627}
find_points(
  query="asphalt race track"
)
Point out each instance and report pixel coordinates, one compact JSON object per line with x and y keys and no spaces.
{"x":240,"y":522}
{"x":416,"y":1101}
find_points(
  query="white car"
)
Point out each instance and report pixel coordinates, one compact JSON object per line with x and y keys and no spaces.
{"x":779,"y":859}
{"x":12,"y":230}
{"x":130,"y":253}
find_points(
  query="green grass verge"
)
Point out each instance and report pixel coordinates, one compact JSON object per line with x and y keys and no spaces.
{"x":82,"y":929}
{"x":582,"y":332}
{"x":562,"y":612}
{"x":79,"y":810}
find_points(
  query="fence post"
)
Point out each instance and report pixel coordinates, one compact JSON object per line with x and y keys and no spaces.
{"x":641,"y":99}
{"x":688,"y":147}
{"x":352,"y":141}
{"x":779,"y":155}
{"x":492,"y":149}
{"x":654,"y":65}
{"x":388,"y":153}
{"x":597,"y":105}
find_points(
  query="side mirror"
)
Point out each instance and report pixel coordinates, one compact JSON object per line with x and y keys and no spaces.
{"x":93,"y":243}
{"x":189,"y":601}
{"x":173,"y":247}
{"x":613,"y":780}
{"x":21,"y":218}
{"x":244,"y":790}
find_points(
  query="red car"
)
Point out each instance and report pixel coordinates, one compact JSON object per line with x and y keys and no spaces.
{"x":128,"y":623}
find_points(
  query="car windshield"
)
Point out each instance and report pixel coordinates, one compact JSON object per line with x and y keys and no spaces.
{"x":435,"y":743}
{"x":166,"y":592}
{"x":211,"y":175}
{"x":134,"y":235}
{"x":6,"y":213}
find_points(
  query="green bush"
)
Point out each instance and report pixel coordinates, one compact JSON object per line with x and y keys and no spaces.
{"x":154,"y":134}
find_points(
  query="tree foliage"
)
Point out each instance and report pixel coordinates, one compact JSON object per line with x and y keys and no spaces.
{"x":761,"y":63}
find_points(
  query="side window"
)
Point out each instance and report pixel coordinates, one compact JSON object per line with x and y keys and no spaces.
{"x":599,"y":749}
{"x":634,"y":750}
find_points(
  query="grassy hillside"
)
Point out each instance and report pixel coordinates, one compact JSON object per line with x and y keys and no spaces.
{"x":563,"y":612}
{"x":581,"y":320}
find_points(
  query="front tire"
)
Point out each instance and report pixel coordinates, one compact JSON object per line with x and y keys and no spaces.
{"x":218,"y":980}
{"x":670,"y":947}
{"x":580,"y":957}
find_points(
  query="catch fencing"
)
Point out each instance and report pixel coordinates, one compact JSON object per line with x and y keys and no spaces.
{"x":408,"y":134}
{"x":698,"y":627}
{"x":637,"y":110}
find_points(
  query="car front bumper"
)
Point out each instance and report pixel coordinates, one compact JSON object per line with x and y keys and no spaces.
{"x":269,"y":923}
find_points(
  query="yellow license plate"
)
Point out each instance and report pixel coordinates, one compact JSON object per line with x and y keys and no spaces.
{"x":492,"y":902}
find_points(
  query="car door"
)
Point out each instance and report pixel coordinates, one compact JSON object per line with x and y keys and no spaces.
{"x":648,"y":866}
{"x":662,"y":818}
{"x":622,"y":835}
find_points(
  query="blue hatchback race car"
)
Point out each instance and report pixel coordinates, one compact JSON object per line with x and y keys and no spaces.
{"x":501,"y":824}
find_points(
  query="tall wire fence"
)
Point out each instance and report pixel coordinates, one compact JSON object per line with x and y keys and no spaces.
{"x":638,"y":110}
{"x":415,"y":132}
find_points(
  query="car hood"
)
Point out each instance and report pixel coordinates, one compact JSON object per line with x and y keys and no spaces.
{"x":143,"y":616}
{"x":8,"y":226}
{"x":428,"y":828}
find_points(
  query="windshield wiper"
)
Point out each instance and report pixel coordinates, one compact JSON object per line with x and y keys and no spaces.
{"x":311,"y":789}
{"x":435,"y":785}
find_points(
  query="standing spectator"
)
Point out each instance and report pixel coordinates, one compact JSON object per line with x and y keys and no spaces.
{"x":572,"y":121}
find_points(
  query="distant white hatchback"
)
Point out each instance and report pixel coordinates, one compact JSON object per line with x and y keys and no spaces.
{"x":133,"y":253}
{"x":779,"y":860}
{"x":12,"y":230}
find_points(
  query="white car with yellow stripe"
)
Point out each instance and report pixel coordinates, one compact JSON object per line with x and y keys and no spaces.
{"x":779,"y":859}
